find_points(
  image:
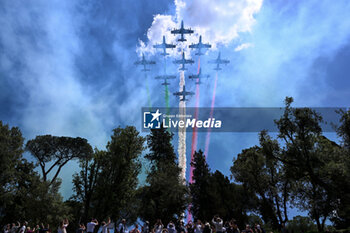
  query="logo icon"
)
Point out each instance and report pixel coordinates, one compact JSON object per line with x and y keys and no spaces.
{"x":151,"y":120}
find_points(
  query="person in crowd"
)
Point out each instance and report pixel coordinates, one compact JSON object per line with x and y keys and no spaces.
{"x":145,"y":227}
{"x":37,"y":228}
{"x":234,"y":226}
{"x":106,"y":225}
{"x":15,"y":227}
{"x":227,"y":227}
{"x":247,"y":229}
{"x":207,"y":228}
{"x":44,"y":229}
{"x":122,"y":226}
{"x":136,"y":229}
{"x":90,"y":226}
{"x":213,"y":229}
{"x":63,"y":226}
{"x":218,"y":223}
{"x":258,"y":228}
{"x":171,"y":227}
{"x":7,"y":228}
{"x":158,"y":227}
{"x":181,"y":227}
{"x":29,"y":230}
{"x":198,"y":227}
{"x":23,"y":228}
{"x":81,"y":228}
{"x":190,"y":227}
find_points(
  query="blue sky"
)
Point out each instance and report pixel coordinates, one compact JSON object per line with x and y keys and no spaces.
{"x":66,"y":67}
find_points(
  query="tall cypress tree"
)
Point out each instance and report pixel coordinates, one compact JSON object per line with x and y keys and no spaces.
{"x":200,"y":187}
{"x":214,"y":194}
{"x":165,"y":196}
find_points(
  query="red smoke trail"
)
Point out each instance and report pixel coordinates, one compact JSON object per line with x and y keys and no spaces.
{"x":207,"y":140}
{"x":194,"y":138}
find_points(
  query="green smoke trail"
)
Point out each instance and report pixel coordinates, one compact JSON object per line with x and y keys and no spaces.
{"x":148,"y":93}
{"x":167,"y":98}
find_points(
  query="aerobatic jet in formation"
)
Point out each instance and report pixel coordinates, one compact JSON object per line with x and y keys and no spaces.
{"x":182,"y":30}
{"x":164,"y":46}
{"x":199,"y":46}
{"x":183,"y":61}
{"x":218,"y":61}
{"x":183,"y":93}
{"x":144,"y":62}
{"x":165,"y":78}
{"x":198,"y":76}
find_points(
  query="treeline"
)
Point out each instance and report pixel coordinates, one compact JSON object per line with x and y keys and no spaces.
{"x":106,"y":184}
{"x":299,"y":168}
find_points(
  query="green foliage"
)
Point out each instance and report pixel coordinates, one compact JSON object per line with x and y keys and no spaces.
{"x":263,"y":177}
{"x":165,"y":195}
{"x":300,"y":168}
{"x":201,"y":207}
{"x":85,"y":182}
{"x":310,"y":158}
{"x":116,"y":172}
{"x":214,"y":194}
{"x":55,"y":152}
{"x":307,"y":170}
{"x":11,"y":149}
{"x":24,"y":196}
{"x":339,"y":172}
{"x":301,"y":224}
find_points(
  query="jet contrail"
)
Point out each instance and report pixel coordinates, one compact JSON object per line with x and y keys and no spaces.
{"x":194,"y":140}
{"x":207,"y":139}
{"x":194,"y":133}
{"x":182,"y":131}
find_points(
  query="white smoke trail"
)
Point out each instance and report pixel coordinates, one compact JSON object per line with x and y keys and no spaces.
{"x":182,"y":131}
{"x":219,"y":23}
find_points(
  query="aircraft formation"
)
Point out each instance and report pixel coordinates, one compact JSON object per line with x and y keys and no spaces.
{"x":182,"y":31}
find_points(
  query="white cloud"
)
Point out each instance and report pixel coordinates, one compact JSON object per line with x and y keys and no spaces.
{"x":243,"y":46}
{"x":219,"y":23}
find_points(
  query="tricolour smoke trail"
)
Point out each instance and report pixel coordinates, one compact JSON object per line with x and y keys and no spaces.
{"x":194,"y":138}
{"x":207,"y":139}
{"x":182,"y":132}
{"x":194,"y":133}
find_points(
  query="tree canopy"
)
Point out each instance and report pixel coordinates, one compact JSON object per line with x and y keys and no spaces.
{"x":299,"y":168}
